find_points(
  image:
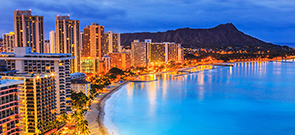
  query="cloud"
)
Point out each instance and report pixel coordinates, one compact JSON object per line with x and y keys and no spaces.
{"x":271,"y":20}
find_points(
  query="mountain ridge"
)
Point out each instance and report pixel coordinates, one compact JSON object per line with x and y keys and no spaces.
{"x":223,"y":35}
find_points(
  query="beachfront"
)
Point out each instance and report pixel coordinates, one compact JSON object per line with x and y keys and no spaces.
{"x":96,"y":114}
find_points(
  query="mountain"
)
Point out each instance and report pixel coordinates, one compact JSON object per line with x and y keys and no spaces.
{"x":223,"y":35}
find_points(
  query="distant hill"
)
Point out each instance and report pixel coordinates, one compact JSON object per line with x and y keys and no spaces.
{"x":223,"y":35}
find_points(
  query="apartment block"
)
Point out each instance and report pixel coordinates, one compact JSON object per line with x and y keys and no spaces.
{"x":10,"y":115}
{"x":25,"y":61}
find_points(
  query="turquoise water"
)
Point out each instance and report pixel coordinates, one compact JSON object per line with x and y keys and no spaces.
{"x":247,"y":99}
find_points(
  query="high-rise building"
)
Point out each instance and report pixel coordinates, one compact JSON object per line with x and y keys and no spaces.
{"x":24,"y":60}
{"x":10,"y":115}
{"x":139,"y":54}
{"x":163,"y":52}
{"x":29,"y":30}
{"x":144,"y":53}
{"x":67,"y":33}
{"x":52,"y":41}
{"x":38,"y":99}
{"x":47,"y":46}
{"x":8,"y":42}
{"x":113,"y":41}
{"x":94,"y":44}
{"x":120,"y":60}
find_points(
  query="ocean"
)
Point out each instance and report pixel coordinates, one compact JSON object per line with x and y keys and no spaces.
{"x":250,"y":98}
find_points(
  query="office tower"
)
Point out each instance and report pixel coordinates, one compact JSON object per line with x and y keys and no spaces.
{"x":38,"y":101}
{"x":67,"y":33}
{"x":79,"y":83}
{"x":8,"y":42}
{"x":120,"y":60}
{"x":52,"y":41}
{"x":47,"y":46}
{"x":24,"y":61}
{"x":10,"y":115}
{"x":94,"y":41}
{"x":139,"y":53}
{"x":29,"y":30}
{"x":113,"y":41}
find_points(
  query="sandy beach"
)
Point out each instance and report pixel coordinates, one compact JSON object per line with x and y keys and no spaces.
{"x":95,"y":116}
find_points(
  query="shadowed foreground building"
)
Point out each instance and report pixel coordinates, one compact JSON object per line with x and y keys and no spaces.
{"x":10,"y":115}
{"x":24,"y":60}
{"x":38,"y":101}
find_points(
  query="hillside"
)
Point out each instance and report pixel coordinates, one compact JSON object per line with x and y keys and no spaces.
{"x":221,"y":36}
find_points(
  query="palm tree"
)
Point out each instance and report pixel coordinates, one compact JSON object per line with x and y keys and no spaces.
{"x":49,"y":125}
{"x":83,"y":126}
{"x":56,"y":124}
{"x":64,"y":118}
{"x":41,"y":126}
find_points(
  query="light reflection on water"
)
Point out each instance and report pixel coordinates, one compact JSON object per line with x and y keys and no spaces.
{"x":249,"y":98}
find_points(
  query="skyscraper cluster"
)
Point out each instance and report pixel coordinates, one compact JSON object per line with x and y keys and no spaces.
{"x":37,"y":75}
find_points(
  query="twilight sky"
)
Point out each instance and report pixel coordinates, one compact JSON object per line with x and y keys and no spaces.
{"x":269,"y":20}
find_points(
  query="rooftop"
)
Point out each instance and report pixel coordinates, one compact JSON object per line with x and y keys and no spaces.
{"x":79,"y":82}
{"x":8,"y":82}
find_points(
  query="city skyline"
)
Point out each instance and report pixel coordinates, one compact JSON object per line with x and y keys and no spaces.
{"x":252,"y":17}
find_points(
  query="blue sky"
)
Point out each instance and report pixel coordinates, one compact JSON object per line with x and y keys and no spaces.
{"x":268,"y":20}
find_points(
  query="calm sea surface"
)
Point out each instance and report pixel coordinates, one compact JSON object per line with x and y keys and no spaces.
{"x":252,"y":98}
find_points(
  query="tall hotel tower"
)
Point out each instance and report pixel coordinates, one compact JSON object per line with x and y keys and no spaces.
{"x":29,"y":30}
{"x":67,"y":33}
{"x":94,"y":41}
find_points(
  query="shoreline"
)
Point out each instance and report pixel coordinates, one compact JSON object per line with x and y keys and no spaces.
{"x":99,"y":104}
